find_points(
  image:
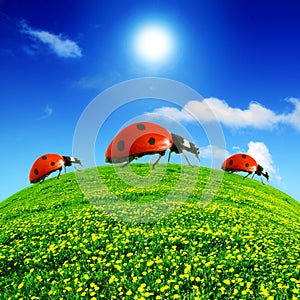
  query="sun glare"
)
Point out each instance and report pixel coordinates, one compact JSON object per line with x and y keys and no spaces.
{"x":153,"y":44}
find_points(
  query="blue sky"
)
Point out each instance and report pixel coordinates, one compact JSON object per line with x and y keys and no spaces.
{"x":243,"y":57}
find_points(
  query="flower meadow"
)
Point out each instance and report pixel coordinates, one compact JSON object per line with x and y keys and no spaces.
{"x":244,"y":244}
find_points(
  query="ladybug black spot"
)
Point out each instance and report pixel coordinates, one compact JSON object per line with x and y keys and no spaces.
{"x":141,"y":126}
{"x":231,"y":162}
{"x":44,"y":157}
{"x":121,"y":145}
{"x":36,"y":171}
{"x":52,"y":163}
{"x":244,"y":156}
{"x":247,"y":165}
{"x":151,"y":141}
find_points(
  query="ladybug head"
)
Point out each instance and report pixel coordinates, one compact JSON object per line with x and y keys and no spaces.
{"x":69,"y":160}
{"x":181,"y":144}
{"x":266,"y":175}
{"x":260,"y":171}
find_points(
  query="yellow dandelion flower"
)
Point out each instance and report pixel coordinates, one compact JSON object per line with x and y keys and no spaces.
{"x":187,"y":269}
{"x":150,"y":263}
{"x":66,"y":280}
{"x":226,"y":281}
{"x":141,"y":287}
{"x":264,"y":292}
{"x":164,"y":288}
{"x":94,"y":237}
{"x":86,"y":276}
{"x":112,"y":279}
{"x":20,"y":285}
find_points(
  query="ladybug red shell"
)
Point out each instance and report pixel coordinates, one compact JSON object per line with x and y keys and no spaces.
{"x":243,"y":162}
{"x":48,"y":163}
{"x":143,"y":138}
{"x":240,"y":162}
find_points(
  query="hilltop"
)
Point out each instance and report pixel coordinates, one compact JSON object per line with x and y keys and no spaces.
{"x":244,"y":244}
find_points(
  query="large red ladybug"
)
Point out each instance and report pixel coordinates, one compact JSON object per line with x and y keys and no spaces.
{"x":243,"y":162}
{"x":143,"y":138}
{"x":48,"y":163}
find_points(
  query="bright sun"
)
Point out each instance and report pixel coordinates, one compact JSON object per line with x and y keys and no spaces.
{"x":153,"y":44}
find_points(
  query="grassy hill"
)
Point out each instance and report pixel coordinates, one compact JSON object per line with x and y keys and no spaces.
{"x":245,"y":244}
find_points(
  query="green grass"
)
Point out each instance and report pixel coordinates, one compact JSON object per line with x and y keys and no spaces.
{"x":243,"y":245}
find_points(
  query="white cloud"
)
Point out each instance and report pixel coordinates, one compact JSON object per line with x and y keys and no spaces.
{"x":98,"y":81}
{"x":216,"y":155}
{"x":211,"y":151}
{"x":171,"y":113}
{"x":293,"y":118}
{"x":260,"y":152}
{"x":48,"y":111}
{"x":213,"y":109}
{"x":61,"y":46}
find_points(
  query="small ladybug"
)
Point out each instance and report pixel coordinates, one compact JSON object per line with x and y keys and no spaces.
{"x":48,"y":163}
{"x":144,"y":138}
{"x":244,"y":162}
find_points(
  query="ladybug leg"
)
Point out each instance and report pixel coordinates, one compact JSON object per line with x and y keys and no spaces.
{"x":42,"y":180}
{"x":169,"y":157}
{"x":59,"y":173}
{"x":127,"y":162}
{"x":186,"y":158}
{"x":160,"y":156}
{"x":247,"y":175}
